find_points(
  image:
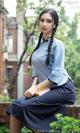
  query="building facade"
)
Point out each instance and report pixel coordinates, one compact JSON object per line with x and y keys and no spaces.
{"x":3,"y":12}
{"x":11,"y":48}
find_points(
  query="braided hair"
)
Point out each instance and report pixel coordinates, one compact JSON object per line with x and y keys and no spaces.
{"x":55,"y":18}
{"x":40,"y":37}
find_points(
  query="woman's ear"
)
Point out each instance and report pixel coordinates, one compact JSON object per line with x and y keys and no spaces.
{"x":54,"y":26}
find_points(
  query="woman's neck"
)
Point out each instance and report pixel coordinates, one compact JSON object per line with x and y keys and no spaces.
{"x":46,"y":36}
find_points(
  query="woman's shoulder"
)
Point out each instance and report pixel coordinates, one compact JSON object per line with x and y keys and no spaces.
{"x":57,"y":43}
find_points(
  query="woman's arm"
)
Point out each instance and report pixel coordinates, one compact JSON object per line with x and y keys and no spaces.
{"x":31,"y":91}
{"x":36,"y":89}
{"x":44,"y":85}
{"x":35,"y":81}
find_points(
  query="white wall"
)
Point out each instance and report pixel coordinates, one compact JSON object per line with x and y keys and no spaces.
{"x":20,"y":86}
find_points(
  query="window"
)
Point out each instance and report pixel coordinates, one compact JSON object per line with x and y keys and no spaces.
{"x":10,"y":42}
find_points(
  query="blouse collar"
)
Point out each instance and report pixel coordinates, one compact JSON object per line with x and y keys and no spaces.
{"x":45,"y":40}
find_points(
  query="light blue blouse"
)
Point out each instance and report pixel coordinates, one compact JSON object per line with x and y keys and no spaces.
{"x":55,"y":71}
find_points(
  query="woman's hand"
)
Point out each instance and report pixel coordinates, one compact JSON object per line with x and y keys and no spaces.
{"x":31,"y":91}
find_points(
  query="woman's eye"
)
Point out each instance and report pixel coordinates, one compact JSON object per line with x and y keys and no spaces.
{"x":49,"y":21}
{"x":41,"y":20}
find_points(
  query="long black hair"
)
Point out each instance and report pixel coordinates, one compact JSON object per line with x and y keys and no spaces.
{"x":55,"y":18}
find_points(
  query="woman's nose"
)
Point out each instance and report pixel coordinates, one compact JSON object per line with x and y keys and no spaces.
{"x":44,"y":23}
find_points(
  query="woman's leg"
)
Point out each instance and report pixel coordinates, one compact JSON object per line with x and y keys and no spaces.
{"x":15,"y":125}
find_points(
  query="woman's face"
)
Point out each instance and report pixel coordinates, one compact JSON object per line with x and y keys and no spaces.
{"x":46,"y":24}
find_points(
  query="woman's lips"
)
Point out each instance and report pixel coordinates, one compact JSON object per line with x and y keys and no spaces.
{"x":44,"y":29}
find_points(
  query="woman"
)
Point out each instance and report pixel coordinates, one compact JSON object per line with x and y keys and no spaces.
{"x":48,"y":72}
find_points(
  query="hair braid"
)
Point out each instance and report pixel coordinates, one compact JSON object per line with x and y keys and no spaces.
{"x":40,"y":37}
{"x":49,"y":48}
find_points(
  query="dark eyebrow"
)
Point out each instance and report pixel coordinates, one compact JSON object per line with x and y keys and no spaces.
{"x":46,"y":19}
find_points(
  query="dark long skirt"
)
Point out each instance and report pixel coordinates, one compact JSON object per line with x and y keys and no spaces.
{"x":38,"y":112}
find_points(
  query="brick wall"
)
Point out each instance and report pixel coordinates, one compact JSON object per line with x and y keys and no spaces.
{"x":73,"y":111}
{"x":27,"y":76}
{"x":1,"y":51}
{"x":13,"y":31}
{"x":12,"y":60}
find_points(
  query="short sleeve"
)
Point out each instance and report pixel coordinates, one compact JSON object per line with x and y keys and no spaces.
{"x":57,"y":64}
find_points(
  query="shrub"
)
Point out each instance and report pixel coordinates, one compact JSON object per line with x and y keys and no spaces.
{"x":65,"y":124}
{"x":4,"y":128}
{"x":5,"y":99}
{"x":26,"y":130}
{"x":78,"y":96}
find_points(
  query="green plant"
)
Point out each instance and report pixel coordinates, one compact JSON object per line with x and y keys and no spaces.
{"x":5,"y":99}
{"x":78,"y":96}
{"x":30,"y":49}
{"x":26,"y":130}
{"x":4,"y":128}
{"x":65,"y":124}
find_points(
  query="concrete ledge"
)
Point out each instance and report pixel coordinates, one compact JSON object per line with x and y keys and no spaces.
{"x":73,"y":110}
